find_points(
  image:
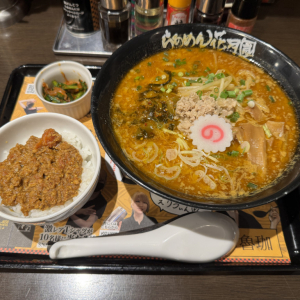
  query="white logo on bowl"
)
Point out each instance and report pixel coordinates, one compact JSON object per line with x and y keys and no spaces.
{"x":242,"y":47}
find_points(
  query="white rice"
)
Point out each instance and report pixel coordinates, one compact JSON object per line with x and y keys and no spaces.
{"x":88,"y":170}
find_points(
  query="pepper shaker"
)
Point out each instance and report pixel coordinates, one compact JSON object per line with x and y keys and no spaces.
{"x":114,"y":23}
{"x":209,"y":11}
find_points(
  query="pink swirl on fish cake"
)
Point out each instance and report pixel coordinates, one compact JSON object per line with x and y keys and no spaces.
{"x":209,"y":129}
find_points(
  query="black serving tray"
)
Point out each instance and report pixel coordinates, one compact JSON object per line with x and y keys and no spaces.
{"x":289,"y":207}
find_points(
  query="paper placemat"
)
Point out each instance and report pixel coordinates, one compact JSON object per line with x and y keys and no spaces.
{"x":110,"y":210}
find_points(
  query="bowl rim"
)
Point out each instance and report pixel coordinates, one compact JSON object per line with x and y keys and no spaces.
{"x":39,"y":74}
{"x":94,"y":111}
{"x":77,"y":198}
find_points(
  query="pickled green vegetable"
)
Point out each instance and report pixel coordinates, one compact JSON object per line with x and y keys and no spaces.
{"x":64,"y":92}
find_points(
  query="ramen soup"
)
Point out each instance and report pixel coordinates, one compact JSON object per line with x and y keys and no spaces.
{"x":204,"y":122}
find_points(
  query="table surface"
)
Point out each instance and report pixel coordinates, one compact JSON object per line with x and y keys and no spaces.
{"x":30,"y":42}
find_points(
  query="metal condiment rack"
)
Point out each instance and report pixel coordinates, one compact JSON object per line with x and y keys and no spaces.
{"x":68,"y":43}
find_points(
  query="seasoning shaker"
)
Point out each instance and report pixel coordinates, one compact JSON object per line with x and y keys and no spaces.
{"x":243,"y":15}
{"x":209,"y":11}
{"x":178,"y":12}
{"x":114,"y":23}
{"x":148,"y":15}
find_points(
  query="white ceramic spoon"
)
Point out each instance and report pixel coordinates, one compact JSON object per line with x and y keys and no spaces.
{"x":196,"y":238}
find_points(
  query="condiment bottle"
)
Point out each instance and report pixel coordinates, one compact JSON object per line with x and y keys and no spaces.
{"x":81,"y":16}
{"x":209,"y":11}
{"x":114,"y":23}
{"x":178,"y":12}
{"x":149,"y":15}
{"x":243,"y":15}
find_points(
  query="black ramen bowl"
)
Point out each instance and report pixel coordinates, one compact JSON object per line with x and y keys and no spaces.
{"x":274,"y":62}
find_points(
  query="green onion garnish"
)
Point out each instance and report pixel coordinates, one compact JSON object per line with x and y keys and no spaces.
{"x":180,"y":74}
{"x":231,"y":94}
{"x":165,"y":59}
{"x":252,"y":186}
{"x":248,"y":93}
{"x":211,"y":76}
{"x":240,"y":97}
{"x":233,"y":117}
{"x":220,"y":75}
{"x":199,"y":93}
{"x":268,"y":88}
{"x":208,"y":81}
{"x":139,"y":87}
{"x":272,"y":99}
{"x":179,"y":62}
{"x":233,"y":153}
{"x":224,"y":95}
{"x":192,"y":81}
{"x":242,"y":82}
{"x":149,"y":63}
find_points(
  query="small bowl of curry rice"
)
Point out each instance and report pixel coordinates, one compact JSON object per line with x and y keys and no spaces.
{"x":49,"y":168}
{"x":65,"y":87}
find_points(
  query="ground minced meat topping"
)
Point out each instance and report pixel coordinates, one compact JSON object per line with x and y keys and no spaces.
{"x":43,"y":173}
{"x":190,"y":108}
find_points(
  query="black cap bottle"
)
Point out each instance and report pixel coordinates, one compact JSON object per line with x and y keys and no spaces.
{"x":114,"y":23}
{"x":209,"y":11}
